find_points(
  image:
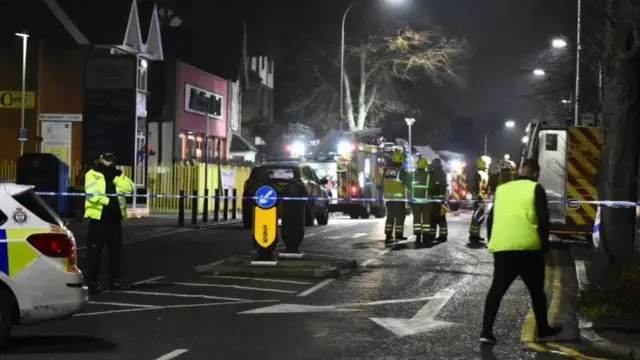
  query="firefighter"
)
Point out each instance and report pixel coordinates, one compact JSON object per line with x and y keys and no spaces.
{"x":437,"y":191}
{"x":395,"y":188}
{"x":480,"y":191}
{"x":505,"y":172}
{"x":105,"y":215}
{"x":420,"y":206}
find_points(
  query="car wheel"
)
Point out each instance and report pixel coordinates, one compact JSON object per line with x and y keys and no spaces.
{"x":366,"y":211}
{"x":323,"y":219}
{"x":7,"y":305}
{"x":309,"y":219}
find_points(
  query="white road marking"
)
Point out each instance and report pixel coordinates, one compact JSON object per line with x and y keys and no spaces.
{"x":258,"y":279}
{"x":393,"y":301}
{"x":297,"y":308}
{"x":172,"y":355}
{"x":581,"y":274}
{"x":317,"y":287}
{"x":384,"y":252}
{"x":359,"y":235}
{"x":121,"y":304}
{"x":330,"y":229}
{"x":176,"y":307}
{"x":235,"y":287}
{"x":197,"y":296}
{"x":148,"y":280}
{"x":367,"y":262}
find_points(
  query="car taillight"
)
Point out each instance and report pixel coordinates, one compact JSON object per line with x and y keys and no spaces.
{"x":53,"y":245}
{"x":354,"y":190}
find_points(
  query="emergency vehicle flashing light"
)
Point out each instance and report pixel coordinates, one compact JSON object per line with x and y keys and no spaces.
{"x":345,"y":147}
{"x":354,"y":190}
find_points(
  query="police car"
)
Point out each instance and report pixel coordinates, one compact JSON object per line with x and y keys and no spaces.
{"x":279,"y":174}
{"x":39,"y":279}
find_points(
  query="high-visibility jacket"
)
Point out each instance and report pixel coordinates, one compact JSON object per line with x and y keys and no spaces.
{"x":95,"y":186}
{"x":394,"y":182}
{"x":437,"y":183}
{"x":419,"y":185}
{"x":515,"y":224}
{"x":481,"y":184}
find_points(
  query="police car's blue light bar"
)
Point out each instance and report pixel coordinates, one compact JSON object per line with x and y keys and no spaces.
{"x":574,"y":204}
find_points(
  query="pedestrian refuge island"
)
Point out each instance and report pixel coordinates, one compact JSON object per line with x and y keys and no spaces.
{"x":277,"y":247}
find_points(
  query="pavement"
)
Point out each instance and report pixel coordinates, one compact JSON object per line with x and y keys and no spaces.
{"x":401,"y":303}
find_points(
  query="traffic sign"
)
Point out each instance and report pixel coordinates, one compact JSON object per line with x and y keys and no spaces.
{"x":265,"y":226}
{"x":266,"y":197}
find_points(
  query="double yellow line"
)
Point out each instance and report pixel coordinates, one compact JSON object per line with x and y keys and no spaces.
{"x":553,"y":286}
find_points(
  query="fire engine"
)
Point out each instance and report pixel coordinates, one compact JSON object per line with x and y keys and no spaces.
{"x":353,"y":167}
{"x":569,"y":157}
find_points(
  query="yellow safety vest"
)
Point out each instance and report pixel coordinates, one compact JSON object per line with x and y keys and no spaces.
{"x":95,"y":186}
{"x":515,"y":224}
{"x":419,"y":185}
{"x":393,"y":184}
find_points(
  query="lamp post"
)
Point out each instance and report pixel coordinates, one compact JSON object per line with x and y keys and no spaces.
{"x":22,"y":137}
{"x":410,"y":122}
{"x":344,"y":21}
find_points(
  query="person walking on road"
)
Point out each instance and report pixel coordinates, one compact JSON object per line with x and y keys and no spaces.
{"x":420,"y":205}
{"x":437,"y":192}
{"x":480,"y":192}
{"x":105,"y":214}
{"x":518,"y":231}
{"x":395,"y":191}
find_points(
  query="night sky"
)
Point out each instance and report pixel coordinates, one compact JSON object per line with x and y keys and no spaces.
{"x":509,"y":39}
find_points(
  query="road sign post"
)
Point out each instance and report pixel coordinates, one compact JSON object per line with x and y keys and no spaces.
{"x":265,"y":224}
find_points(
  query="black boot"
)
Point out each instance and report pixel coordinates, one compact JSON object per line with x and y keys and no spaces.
{"x":442,"y":238}
{"x":400,"y":236}
{"x":475,"y":239}
{"x":116,"y":285}
{"x":418,"y":239}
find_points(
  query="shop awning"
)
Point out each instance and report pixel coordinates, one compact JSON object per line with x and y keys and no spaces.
{"x":240,"y":144}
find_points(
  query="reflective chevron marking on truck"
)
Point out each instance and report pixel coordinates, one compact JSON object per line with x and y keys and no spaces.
{"x":584,"y":150}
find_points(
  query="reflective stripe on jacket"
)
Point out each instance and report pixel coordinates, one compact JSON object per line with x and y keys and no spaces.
{"x":393,"y":183}
{"x":515,"y":224}
{"x":419,"y":185}
{"x":95,"y":187}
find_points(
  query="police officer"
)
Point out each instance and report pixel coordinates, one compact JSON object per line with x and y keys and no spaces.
{"x":480,"y":191}
{"x":105,"y":215}
{"x":395,"y":188}
{"x":437,"y":192}
{"x":518,"y":229}
{"x":420,"y":206}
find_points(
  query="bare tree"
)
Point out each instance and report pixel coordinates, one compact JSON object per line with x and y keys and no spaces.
{"x":372,"y":73}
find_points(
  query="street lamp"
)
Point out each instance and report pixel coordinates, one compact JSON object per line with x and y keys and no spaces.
{"x":538,"y":72}
{"x":510,"y":124}
{"x":558,"y":43}
{"x":507,"y":157}
{"x":525,"y":139}
{"x":344,"y":20}
{"x":564,"y":101}
{"x":22,"y":136}
{"x":410,"y":122}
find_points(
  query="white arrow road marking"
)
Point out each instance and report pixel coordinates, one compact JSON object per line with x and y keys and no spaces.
{"x":422,"y":321}
{"x":359,"y":235}
{"x":296,"y":308}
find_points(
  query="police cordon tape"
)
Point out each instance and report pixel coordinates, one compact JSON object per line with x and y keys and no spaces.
{"x":571,"y":203}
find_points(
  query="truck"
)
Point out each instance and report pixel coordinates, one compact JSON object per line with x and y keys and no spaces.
{"x":569,"y":158}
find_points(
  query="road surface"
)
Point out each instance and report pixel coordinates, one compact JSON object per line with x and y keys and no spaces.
{"x":404,"y":303}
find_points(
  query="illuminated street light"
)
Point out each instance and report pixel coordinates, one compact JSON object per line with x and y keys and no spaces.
{"x":507,"y":157}
{"x":566,"y":101}
{"x":558,"y":43}
{"x":510,"y":124}
{"x":525,"y":139}
{"x":539,"y":72}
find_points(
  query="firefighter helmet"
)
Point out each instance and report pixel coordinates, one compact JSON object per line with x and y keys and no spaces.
{"x":398,"y":157}
{"x":422,"y":163}
{"x":482,"y":164}
{"x":503,"y":165}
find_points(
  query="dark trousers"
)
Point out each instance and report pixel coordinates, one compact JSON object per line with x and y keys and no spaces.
{"x":396,"y":215}
{"x":421,"y":218}
{"x":439,"y":221}
{"x":477,"y":218}
{"x":507,"y":266}
{"x":103,"y":232}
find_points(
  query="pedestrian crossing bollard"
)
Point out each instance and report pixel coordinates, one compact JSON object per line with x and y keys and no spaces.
{"x":205,"y":206}
{"x":265,"y":225}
